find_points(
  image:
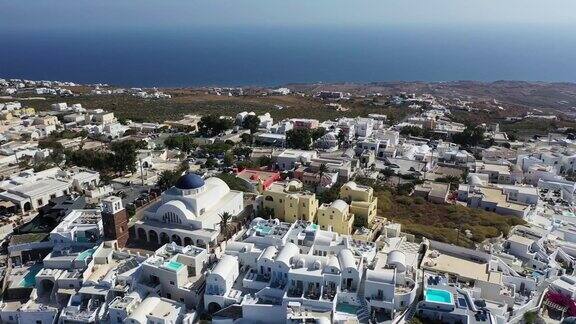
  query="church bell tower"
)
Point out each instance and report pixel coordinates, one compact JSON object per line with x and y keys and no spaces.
{"x":115,"y":220}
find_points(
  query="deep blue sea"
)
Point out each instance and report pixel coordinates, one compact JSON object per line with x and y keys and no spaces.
{"x":274,"y":56}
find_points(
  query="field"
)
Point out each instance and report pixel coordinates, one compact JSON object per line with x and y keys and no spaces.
{"x":186,"y":102}
{"x":445,"y":223}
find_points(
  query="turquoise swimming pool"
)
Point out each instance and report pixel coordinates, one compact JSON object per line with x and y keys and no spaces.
{"x":85,"y":254}
{"x":264,"y":229}
{"x":439,"y":296}
{"x":346,"y":308}
{"x":568,"y":213}
{"x":29,"y":279}
{"x":173,"y":265}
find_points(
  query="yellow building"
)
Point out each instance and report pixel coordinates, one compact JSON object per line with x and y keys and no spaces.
{"x":6,"y":116}
{"x":362,"y":202}
{"x":336,"y":217}
{"x":288,"y":201}
{"x":28,"y":111}
{"x":46,"y":120}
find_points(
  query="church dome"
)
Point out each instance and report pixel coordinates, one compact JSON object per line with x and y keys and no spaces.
{"x":190,"y":181}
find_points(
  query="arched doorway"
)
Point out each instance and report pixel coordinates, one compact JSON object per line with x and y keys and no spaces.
{"x":46,"y":287}
{"x":164,"y":238}
{"x":213,"y":307}
{"x":142,"y":234}
{"x":27,"y":206}
{"x":152,"y":237}
{"x":187,"y":241}
{"x":176,"y":239}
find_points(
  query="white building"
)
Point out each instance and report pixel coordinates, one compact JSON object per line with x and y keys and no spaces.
{"x":190,"y":212}
{"x":289,"y":159}
{"x":80,"y":228}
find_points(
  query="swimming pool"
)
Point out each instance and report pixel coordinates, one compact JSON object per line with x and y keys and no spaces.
{"x":29,"y":279}
{"x":173,"y":265}
{"x":439,"y":296}
{"x":568,"y":213}
{"x":537,"y":274}
{"x":264,"y":229}
{"x":346,"y":308}
{"x":85,"y":254}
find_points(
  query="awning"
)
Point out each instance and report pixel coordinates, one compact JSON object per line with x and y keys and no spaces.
{"x":66,"y":291}
{"x":6,"y":204}
{"x":12,"y":197}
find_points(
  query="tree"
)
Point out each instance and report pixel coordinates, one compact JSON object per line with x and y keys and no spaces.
{"x":242,"y":151}
{"x":531,"y":318}
{"x":125,"y":155}
{"x":217,"y":148}
{"x":121,"y":159}
{"x":470,"y":137}
{"x":388,"y":172}
{"x":210,"y":163}
{"x":167,"y":179}
{"x":225,"y":217}
{"x":247,"y":138}
{"x":415,"y":131}
{"x":342,"y":138}
{"x":246,"y":164}
{"x":321,"y":170}
{"x":251,"y":122}
{"x":405,"y":188}
{"x":234,"y":182}
{"x":328,"y":196}
{"x":298,"y":139}
{"x":228,"y":159}
{"x":317,"y":133}
{"x":265,"y":161}
{"x":183,"y":142}
{"x":212,"y":125}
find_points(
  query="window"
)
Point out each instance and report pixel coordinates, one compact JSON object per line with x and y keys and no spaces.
{"x":172,"y":283}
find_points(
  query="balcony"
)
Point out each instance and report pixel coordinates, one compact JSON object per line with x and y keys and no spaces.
{"x":329,"y":292}
{"x":294,"y":292}
{"x":404,"y":288}
{"x":313,"y":293}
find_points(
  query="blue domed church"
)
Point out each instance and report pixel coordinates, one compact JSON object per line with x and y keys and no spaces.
{"x":189,"y":212}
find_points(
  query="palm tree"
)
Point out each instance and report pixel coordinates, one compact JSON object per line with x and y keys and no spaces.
{"x":224,"y":219}
{"x":342,"y":138}
{"x":321,"y":170}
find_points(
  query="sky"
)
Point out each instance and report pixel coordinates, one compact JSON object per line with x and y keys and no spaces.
{"x":110,"y":15}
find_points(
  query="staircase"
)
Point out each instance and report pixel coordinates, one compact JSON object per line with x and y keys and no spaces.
{"x":411,"y":312}
{"x":363,"y":312}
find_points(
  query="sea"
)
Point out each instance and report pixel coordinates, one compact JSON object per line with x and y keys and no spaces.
{"x":273,"y":56}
